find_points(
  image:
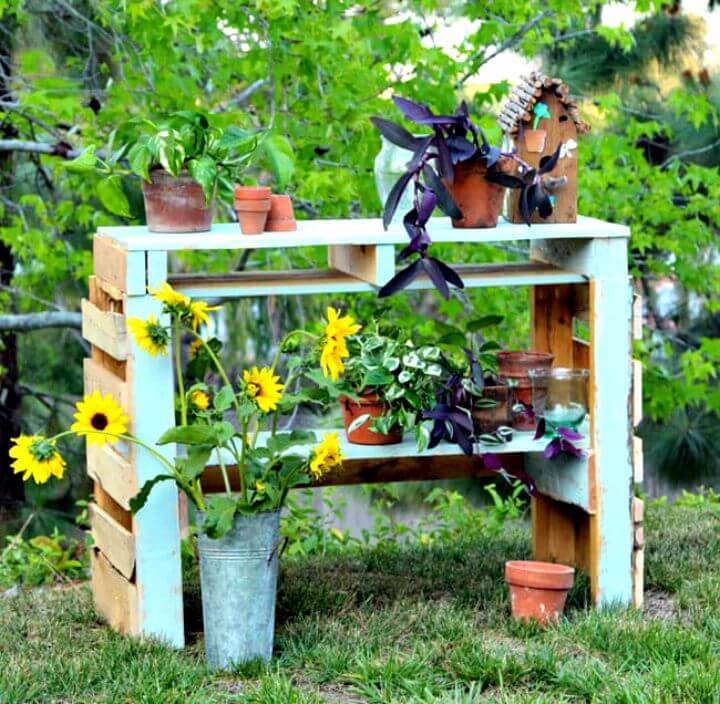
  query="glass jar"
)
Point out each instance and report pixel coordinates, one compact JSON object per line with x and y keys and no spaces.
{"x":390,"y":165}
{"x":560,"y":396}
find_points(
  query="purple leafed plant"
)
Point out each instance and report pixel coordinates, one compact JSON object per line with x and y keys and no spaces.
{"x":454,"y":138}
{"x":562,"y":440}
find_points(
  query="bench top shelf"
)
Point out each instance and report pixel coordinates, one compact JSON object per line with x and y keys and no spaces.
{"x":352,"y":232}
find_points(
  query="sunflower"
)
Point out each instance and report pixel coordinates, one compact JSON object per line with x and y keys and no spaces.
{"x":335,"y":348}
{"x":263,"y":387}
{"x":259,"y":487}
{"x":37,"y":457}
{"x":326,"y":456}
{"x":199,"y":399}
{"x":149,"y":335}
{"x":170,"y":297}
{"x":199,"y":311}
{"x":99,"y":418}
{"x":194,"y":348}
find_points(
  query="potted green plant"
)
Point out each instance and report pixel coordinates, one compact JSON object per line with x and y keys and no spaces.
{"x":382,"y":381}
{"x":183,"y":160}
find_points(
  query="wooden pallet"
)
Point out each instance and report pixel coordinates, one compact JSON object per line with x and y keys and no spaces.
{"x":585,"y":513}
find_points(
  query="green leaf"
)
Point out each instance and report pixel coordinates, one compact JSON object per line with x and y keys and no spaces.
{"x":139,"y":500}
{"x":224,"y":399}
{"x":219,"y":514}
{"x":112,"y":196}
{"x":189,"y":435}
{"x":453,"y":338}
{"x":204,"y":171}
{"x":140,"y":158}
{"x":484,"y":322}
{"x":280,"y":158}
{"x":223,"y":432}
{"x":86,"y":163}
{"x":196,"y":461}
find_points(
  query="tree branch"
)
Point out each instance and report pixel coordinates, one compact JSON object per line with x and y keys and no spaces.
{"x":481,"y":58}
{"x":36,"y":321}
{"x":24,"y":145}
{"x":690,"y":152}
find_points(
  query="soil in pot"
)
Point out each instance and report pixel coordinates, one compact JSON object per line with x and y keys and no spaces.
{"x":538,"y":590}
{"x":488,"y":420}
{"x":479,"y":200}
{"x":368,"y":404}
{"x":281,"y":217}
{"x":175,"y":204}
{"x":513,"y":366}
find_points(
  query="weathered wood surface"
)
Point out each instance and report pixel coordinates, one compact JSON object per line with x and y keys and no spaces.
{"x":374,"y":264}
{"x":104,"y":330}
{"x":113,"y":472}
{"x":114,"y":540}
{"x":115,"y":598}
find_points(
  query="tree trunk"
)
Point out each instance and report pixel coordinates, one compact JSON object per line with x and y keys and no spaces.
{"x":11,"y":486}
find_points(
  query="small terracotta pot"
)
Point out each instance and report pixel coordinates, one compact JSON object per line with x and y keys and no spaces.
{"x":252,"y":193}
{"x":538,"y":590}
{"x":488,"y":420}
{"x":252,"y":215}
{"x":175,"y":204}
{"x":479,"y":200}
{"x":281,"y":217}
{"x":371,"y":405}
{"x":535,"y":140}
{"x":514,"y":365}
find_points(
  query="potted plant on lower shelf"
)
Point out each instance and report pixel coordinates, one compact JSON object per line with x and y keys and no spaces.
{"x":382,"y":381}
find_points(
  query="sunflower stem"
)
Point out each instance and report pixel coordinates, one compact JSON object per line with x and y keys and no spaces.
{"x":226,"y":481}
{"x":241,"y":465}
{"x":178,"y":372}
{"x":218,"y":366}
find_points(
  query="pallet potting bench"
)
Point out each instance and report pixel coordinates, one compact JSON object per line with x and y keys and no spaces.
{"x":585,"y":513}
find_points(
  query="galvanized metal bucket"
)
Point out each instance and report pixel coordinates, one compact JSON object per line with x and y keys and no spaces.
{"x":238,"y":579}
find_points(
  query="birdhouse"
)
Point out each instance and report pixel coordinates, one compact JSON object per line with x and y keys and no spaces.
{"x":539,"y":116}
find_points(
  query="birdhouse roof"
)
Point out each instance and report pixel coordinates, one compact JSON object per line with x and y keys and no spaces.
{"x":519,"y":106}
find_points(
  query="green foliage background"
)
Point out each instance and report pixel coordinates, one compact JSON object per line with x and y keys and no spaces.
{"x":73,"y":70}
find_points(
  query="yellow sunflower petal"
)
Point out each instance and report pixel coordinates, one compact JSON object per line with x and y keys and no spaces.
{"x":37,"y":458}
{"x":99,"y":419}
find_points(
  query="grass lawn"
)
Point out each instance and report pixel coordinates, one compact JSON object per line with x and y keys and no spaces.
{"x":412,"y":624}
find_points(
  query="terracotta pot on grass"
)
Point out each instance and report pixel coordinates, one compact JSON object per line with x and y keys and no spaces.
{"x":281,"y":217}
{"x":513,"y":366}
{"x":479,"y":200}
{"x":368,"y":404}
{"x":175,"y":204}
{"x":538,"y":590}
{"x":252,"y":204}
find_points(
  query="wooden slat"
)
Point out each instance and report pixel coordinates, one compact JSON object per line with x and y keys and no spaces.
{"x":110,"y":263}
{"x":554,"y":530}
{"x":116,"y":542}
{"x":638,"y":460}
{"x":115,"y":598}
{"x":98,"y":378}
{"x":372,"y":263}
{"x":113,"y":473}
{"x":638,"y":510}
{"x":638,"y":578}
{"x":581,"y":353}
{"x":106,"y":331}
{"x":552,"y":322}
{"x":637,"y":317}
{"x":637,"y":394}
{"x":105,"y":302}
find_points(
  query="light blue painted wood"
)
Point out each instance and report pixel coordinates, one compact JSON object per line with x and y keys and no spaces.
{"x":385,"y":261}
{"x":564,"y":478}
{"x":156,"y":526}
{"x":135,"y":284}
{"x":157,"y":268}
{"x":353,"y":231}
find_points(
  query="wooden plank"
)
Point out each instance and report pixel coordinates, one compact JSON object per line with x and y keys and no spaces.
{"x":637,"y":394}
{"x":638,"y":578}
{"x":638,"y":460}
{"x":372,"y":263}
{"x":551,"y":322}
{"x":554,"y":533}
{"x":354,"y":231}
{"x":120,"y":270}
{"x":565,"y":479}
{"x":638,"y":510}
{"x":313,"y":281}
{"x":115,"y":541}
{"x":115,"y":598}
{"x":106,"y":331}
{"x":580,"y":353}
{"x":637,"y":317}
{"x":108,"y":504}
{"x":113,"y":473}
{"x":97,"y":378}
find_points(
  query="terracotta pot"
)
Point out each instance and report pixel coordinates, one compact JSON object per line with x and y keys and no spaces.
{"x":479,"y":200}
{"x":281,"y":217}
{"x":535,"y":140}
{"x":538,"y":590}
{"x":175,"y":204}
{"x":514,"y":365}
{"x":252,"y":193}
{"x":488,"y":420}
{"x":371,"y":405}
{"x":252,"y":215}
